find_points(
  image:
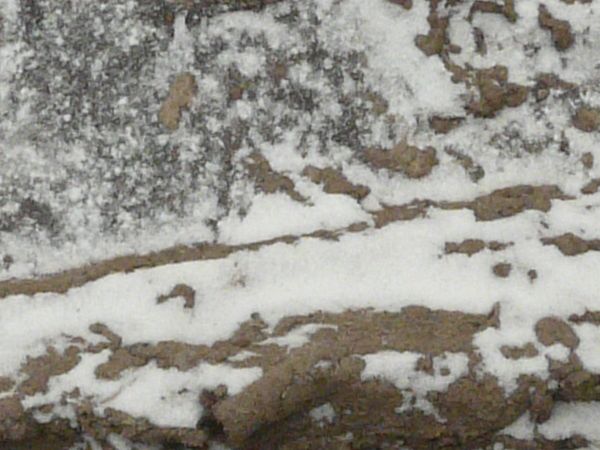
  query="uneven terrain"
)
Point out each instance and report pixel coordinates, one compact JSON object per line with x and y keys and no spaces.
{"x":274,"y":224}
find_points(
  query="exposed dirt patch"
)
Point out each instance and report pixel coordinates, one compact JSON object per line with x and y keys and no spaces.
{"x":507,"y":9}
{"x":410,"y":211}
{"x":406,"y":4}
{"x":572,"y":245}
{"x":433,"y":42}
{"x":181,"y":94}
{"x":587,"y":317}
{"x":471,"y":246}
{"x":474,"y":170}
{"x":552,"y":330}
{"x":407,"y":159}
{"x":42,"y":368}
{"x":591,"y":187}
{"x":510,"y":201}
{"x":587,"y":119}
{"x":181,"y":290}
{"x":443,"y":125}
{"x":587,"y":159}
{"x":560,"y":30}
{"x":526,"y":351}
{"x":334,"y":182}
{"x":502,"y":270}
{"x":6,"y":384}
{"x":495,"y":92}
{"x":269,"y":181}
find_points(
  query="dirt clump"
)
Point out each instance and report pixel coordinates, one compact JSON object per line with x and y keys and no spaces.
{"x":507,"y":9}
{"x":433,"y":42}
{"x":560,"y":30}
{"x":552,"y":330}
{"x":587,"y":317}
{"x":410,"y":160}
{"x":268,"y":180}
{"x":180,"y":97}
{"x":409,"y":211}
{"x":587,"y":159}
{"x":526,"y":351}
{"x":494,"y":92}
{"x":546,"y":82}
{"x":509,"y":201}
{"x":42,"y":368}
{"x":119,"y":360}
{"x":502,"y":270}
{"x":532,"y":275}
{"x":6,"y":384}
{"x":334,"y":182}
{"x":571,"y":245}
{"x":471,"y":246}
{"x":473,"y":170}
{"x":587,"y":119}
{"x":443,"y":125}
{"x":406,"y":4}
{"x":180,"y":290}
{"x":591,"y":187}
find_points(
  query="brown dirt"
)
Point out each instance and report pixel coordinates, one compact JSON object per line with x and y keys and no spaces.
{"x":473,"y":170}
{"x":513,"y":200}
{"x":410,"y":160}
{"x":560,"y":30}
{"x":443,"y":125}
{"x":502,"y":270}
{"x":552,"y":330}
{"x":572,"y":245}
{"x":334,"y":182}
{"x":587,"y":159}
{"x":591,"y":187}
{"x":273,"y":413}
{"x":181,"y":93}
{"x":507,"y":9}
{"x":269,"y":181}
{"x":587,"y":317}
{"x":495,"y":92}
{"x":587,"y":119}
{"x":406,"y":4}
{"x":180,"y":290}
{"x":471,"y":246}
{"x":40,"y":369}
{"x":526,"y":351}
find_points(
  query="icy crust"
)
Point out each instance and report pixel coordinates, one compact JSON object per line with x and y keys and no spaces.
{"x":89,"y":172}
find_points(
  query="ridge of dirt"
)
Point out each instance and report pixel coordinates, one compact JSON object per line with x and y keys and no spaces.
{"x":334,"y":182}
{"x":570,"y":244}
{"x":498,"y":204}
{"x":275,"y":411}
{"x":470,"y":247}
{"x":560,"y":30}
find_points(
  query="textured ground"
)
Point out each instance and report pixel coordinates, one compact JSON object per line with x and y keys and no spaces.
{"x":278,"y":224}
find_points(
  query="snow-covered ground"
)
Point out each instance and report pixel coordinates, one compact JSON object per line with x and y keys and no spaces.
{"x":89,"y":171}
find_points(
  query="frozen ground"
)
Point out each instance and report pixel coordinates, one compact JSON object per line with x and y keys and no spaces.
{"x":310,"y":159}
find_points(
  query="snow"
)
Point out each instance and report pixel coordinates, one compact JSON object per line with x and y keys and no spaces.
{"x":573,"y":418}
{"x":298,"y":336}
{"x":166,"y":397}
{"x":323,"y":414}
{"x":134,"y":188}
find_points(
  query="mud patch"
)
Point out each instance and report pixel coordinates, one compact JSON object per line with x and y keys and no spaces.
{"x":40,"y":369}
{"x":181,"y":94}
{"x":407,"y":159}
{"x":587,"y":119}
{"x":552,"y":330}
{"x":470,"y":247}
{"x":180,"y":291}
{"x":571,"y":245}
{"x":334,"y":182}
{"x":269,"y":181}
{"x":560,"y":30}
